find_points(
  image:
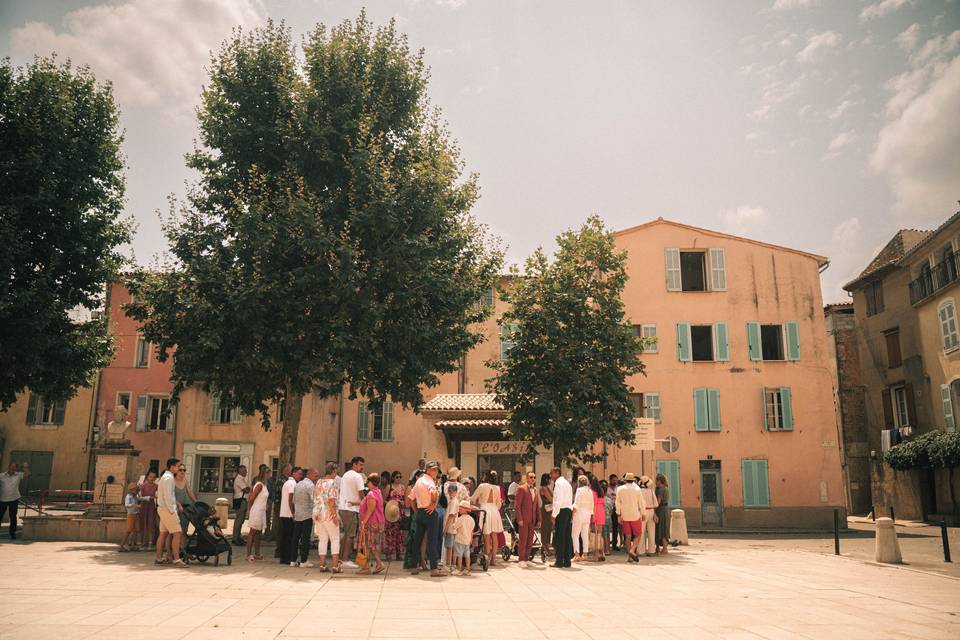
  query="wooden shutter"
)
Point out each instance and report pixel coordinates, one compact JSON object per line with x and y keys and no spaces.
{"x":701,"y":419}
{"x":887,"y":401}
{"x":142,"y":413}
{"x":671,"y":471}
{"x":235,"y":415}
{"x":59,"y":411}
{"x":763,"y":407}
{"x":713,"y":401}
{"x":911,"y":405}
{"x":172,"y":417}
{"x":792,"y":330}
{"x":721,"y":347}
{"x":506,"y":339}
{"x":363,"y":422}
{"x":215,"y":408}
{"x":947,"y":400}
{"x":718,"y":270}
{"x":33,"y":405}
{"x":753,"y":341}
{"x":786,"y":408}
{"x":672,"y":260}
{"x":684,"y":350}
{"x":756,"y":488}
{"x":387,"y":421}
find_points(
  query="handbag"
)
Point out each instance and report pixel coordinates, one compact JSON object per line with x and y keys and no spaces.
{"x":363,"y":561}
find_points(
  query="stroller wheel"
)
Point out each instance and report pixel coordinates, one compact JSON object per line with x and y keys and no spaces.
{"x":505,"y":553}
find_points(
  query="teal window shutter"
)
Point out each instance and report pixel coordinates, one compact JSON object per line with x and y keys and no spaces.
{"x":672,"y":260}
{"x":214,"y":408}
{"x":700,"y":414}
{"x":142,"y":412}
{"x":684,"y":352}
{"x":713,"y":400}
{"x":59,"y":411}
{"x":764,"y":392}
{"x":749,"y":485}
{"x":786,"y":408}
{"x":721,"y":347}
{"x":753,"y":340}
{"x":671,"y":471}
{"x":793,"y":340}
{"x":718,"y":270}
{"x":506,"y":339}
{"x":387,"y":421}
{"x":32,"y":406}
{"x":756,"y":488}
{"x":948,"y":419}
{"x":363,"y":422}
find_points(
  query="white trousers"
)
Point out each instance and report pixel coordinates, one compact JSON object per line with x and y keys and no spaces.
{"x":581,"y":529}
{"x":327,"y":532}
{"x":648,"y":540}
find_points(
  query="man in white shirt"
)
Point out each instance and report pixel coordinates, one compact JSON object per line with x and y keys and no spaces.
{"x":630,"y":511}
{"x":562,"y":519}
{"x":10,"y":493}
{"x":421,"y":467}
{"x":167,"y":510}
{"x":512,"y":489}
{"x":241,"y":486}
{"x":286,"y":515}
{"x":648,"y":537}
{"x":348,"y":506}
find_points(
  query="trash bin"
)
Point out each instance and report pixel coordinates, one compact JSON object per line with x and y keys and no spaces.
{"x":223,"y":511}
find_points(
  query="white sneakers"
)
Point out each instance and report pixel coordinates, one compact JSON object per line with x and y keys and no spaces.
{"x":306,"y":565}
{"x":523,"y":564}
{"x":294,"y":564}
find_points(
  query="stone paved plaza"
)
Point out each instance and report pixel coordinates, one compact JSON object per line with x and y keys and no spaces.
{"x":710,"y":589}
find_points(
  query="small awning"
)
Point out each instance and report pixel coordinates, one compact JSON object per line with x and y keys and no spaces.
{"x":462,"y":402}
{"x":467,"y":424}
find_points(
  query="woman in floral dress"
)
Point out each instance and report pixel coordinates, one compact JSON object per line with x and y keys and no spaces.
{"x":148,"y":509}
{"x":393,"y":537}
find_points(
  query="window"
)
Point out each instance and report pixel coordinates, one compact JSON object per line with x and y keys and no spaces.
{"x":948,"y":325}
{"x":648,"y":332}
{"x":375,"y":425}
{"x":874,"y":295}
{"x":756,"y":484}
{"x":651,"y":406}
{"x":487,"y":300}
{"x":143,"y":353}
{"x":216,"y":474}
{"x":506,"y":338}
{"x":773,"y":342}
{"x":702,"y":343}
{"x":778,"y":409}
{"x":946,"y":399}
{"x":45,"y":412}
{"x":223,"y":414}
{"x":689,"y":270}
{"x":123,"y":400}
{"x":706,"y":409}
{"x":281,"y":410}
{"x":892,"y":338}
{"x":901,"y":416}
{"x":158,"y":414}
{"x":636,"y":401}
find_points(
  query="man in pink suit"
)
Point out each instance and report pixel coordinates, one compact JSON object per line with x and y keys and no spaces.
{"x":527,"y":510}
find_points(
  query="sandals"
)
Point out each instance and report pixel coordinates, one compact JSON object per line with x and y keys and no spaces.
{"x":251,"y":559}
{"x":323,"y":568}
{"x":379,"y":569}
{"x":337,"y":569}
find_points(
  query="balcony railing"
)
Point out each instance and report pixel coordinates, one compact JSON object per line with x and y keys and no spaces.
{"x":932,"y":280}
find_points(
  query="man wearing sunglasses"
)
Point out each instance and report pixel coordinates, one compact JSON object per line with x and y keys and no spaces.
{"x":527,"y":510}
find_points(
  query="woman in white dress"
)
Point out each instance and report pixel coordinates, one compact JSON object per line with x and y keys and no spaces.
{"x":582,"y":512}
{"x":257,"y":513}
{"x":488,"y":497}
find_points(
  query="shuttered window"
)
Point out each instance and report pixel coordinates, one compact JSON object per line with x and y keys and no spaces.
{"x":44,"y":412}
{"x":721,"y":348}
{"x":670,"y":469}
{"x":684,"y":349}
{"x":778,"y":409}
{"x":221,"y":413}
{"x":948,"y":325}
{"x":375,"y":426}
{"x":706,"y":409}
{"x":892,"y":338}
{"x":506,"y":339}
{"x":648,"y":332}
{"x":773,"y":342}
{"x":672,"y":260}
{"x":947,"y":400}
{"x":142,"y":356}
{"x":718,"y":270}
{"x":651,"y":406}
{"x":756,"y":484}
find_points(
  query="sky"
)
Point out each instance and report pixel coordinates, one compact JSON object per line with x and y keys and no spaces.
{"x":822,"y":126}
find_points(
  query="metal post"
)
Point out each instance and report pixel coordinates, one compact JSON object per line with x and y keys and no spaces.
{"x":946,"y":541}
{"x":836,"y":532}
{"x":891,"y":514}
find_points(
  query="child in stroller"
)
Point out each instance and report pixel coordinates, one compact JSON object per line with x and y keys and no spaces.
{"x":207,"y":538}
{"x":478,"y":554}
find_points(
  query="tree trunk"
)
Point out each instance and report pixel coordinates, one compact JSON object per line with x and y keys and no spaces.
{"x":290,"y":429}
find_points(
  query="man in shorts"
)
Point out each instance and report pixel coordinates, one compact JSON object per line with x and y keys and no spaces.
{"x":630,"y":510}
{"x":351,"y":488}
{"x":167,"y":510}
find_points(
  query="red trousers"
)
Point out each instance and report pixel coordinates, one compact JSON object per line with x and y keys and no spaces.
{"x":525,"y":541}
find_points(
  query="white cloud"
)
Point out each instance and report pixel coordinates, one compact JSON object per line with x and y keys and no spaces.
{"x":917,"y":148}
{"x":880,"y":9}
{"x":154,"y":53}
{"x":752,"y":136}
{"x":907,"y":39}
{"x":743,"y":220}
{"x":786,"y":5}
{"x":760,"y":113}
{"x":840,"y":109}
{"x":840,"y":142}
{"x":818,"y":45}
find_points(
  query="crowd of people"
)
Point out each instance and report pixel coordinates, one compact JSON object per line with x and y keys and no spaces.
{"x":440,"y":522}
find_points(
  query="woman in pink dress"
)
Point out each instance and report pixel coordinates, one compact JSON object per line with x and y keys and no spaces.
{"x":148,"y":508}
{"x":393,"y":543}
{"x":372,"y":522}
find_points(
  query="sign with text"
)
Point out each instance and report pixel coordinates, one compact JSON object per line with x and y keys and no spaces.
{"x":643,"y":432}
{"x":509,"y":447}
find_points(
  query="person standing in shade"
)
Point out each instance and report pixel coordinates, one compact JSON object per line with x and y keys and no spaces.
{"x":514,"y":485}
{"x":527,"y":511}
{"x":648,"y":540}
{"x":10,"y":493}
{"x":167,"y":509}
{"x":612,"y":484}
{"x":258,"y":499}
{"x":662,"y":493}
{"x":351,"y":486}
{"x":287,"y":552}
{"x":630,"y":509}
{"x":241,"y":487}
{"x":148,"y":508}
{"x":421,"y":468}
{"x":303,"y":518}
{"x":562,"y":519}
{"x":372,"y":522}
{"x":425,"y":495}
{"x":185,"y":498}
{"x":326,"y":518}
{"x":582,"y":515}
{"x":546,"y":514}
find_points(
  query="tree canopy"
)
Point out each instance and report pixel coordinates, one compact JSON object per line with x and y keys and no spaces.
{"x":61,"y":176}
{"x":563,"y":380}
{"x":329,"y":242}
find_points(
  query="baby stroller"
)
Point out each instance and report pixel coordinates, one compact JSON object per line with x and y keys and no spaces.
{"x":478,"y":555}
{"x":206,"y":539}
{"x":513,"y":549}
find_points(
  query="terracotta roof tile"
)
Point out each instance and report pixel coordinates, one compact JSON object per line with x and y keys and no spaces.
{"x":462,"y":402}
{"x":472,"y":424}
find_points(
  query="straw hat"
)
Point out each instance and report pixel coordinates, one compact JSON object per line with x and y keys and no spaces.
{"x":453,"y":473}
{"x":465,"y":504}
{"x":644,"y":480}
{"x":629,"y":477}
{"x":392,"y":511}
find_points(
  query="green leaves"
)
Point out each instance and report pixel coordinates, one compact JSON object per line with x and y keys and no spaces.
{"x":329,"y":242}
{"x":932,"y":450}
{"x":61,"y":176}
{"x":564,"y":378}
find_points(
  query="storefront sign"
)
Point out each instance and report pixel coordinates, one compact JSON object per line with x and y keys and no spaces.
{"x":643,"y":432}
{"x":509,"y":447}
{"x":219,"y":448}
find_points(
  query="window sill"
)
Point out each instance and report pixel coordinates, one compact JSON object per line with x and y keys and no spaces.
{"x":779,"y":430}
{"x":947,"y":352}
{"x":45,"y":427}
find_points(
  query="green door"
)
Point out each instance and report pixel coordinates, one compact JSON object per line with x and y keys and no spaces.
{"x":41,"y":466}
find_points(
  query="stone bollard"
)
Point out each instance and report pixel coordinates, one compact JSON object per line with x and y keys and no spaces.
{"x":223,"y":511}
{"x":678,"y":526}
{"x":888,"y":548}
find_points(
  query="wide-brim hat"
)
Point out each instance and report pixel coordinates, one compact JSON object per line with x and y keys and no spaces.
{"x":465,"y":504}
{"x":453,"y":473}
{"x":391,"y":511}
{"x":629,"y":477}
{"x":644,"y":479}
